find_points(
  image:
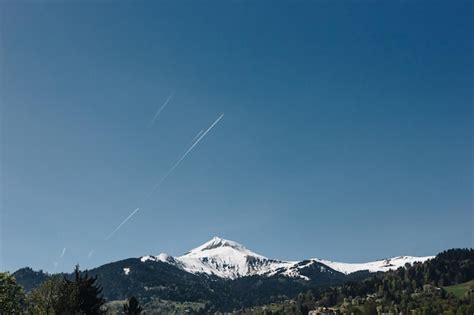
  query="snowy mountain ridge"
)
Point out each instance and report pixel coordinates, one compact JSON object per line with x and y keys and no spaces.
{"x":231,"y":260}
{"x":374,"y":266}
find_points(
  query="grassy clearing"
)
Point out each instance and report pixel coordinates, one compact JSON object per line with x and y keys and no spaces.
{"x":460,"y":289}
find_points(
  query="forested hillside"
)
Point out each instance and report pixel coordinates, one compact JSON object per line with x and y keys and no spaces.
{"x":418,"y":287}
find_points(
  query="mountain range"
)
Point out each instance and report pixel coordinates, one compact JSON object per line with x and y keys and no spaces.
{"x":221,"y":272}
{"x":231,"y":260}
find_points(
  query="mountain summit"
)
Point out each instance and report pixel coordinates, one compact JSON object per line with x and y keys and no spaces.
{"x":220,"y":247}
{"x":231,"y":260}
{"x":222,"y":258}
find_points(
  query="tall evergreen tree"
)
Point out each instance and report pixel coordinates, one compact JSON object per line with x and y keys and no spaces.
{"x":89,"y":293}
{"x":132,"y":307}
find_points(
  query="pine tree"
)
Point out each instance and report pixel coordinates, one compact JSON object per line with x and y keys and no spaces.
{"x":88,"y":292}
{"x":132,"y":307}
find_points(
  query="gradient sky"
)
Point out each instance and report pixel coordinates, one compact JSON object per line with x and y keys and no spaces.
{"x":347,"y":132}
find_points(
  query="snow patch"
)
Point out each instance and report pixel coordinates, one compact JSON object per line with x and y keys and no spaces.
{"x":146,"y":258}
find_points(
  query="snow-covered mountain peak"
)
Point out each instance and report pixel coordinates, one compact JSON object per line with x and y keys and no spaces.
{"x":222,"y":258}
{"x":221,"y":247}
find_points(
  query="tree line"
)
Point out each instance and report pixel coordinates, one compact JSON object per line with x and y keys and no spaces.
{"x":80,"y":295}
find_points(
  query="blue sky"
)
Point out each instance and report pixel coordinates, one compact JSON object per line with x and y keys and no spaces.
{"x":347,"y":132}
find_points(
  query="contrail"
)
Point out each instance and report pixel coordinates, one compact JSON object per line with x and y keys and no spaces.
{"x":186,"y":153}
{"x":158,"y":112}
{"x":123,"y":222}
{"x":195,"y":141}
{"x":56,"y":263}
{"x":196,"y":136}
{"x":90,"y":254}
{"x":63,"y":253}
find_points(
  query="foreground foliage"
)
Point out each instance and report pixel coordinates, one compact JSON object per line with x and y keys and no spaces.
{"x":11,"y":295}
{"x":58,"y":295}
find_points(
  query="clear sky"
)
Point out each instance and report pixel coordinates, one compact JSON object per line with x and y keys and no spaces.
{"x":347,"y":132}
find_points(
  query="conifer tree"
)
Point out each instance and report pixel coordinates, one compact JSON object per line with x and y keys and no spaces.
{"x":88,"y":293}
{"x":132,"y":307}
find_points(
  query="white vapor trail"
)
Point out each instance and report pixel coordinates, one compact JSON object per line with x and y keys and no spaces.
{"x":158,"y":112}
{"x":63,"y":253}
{"x":203,"y":134}
{"x":90,"y":254}
{"x":197,"y":136}
{"x":195,"y":141}
{"x":60,"y":257}
{"x":123,"y":222}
